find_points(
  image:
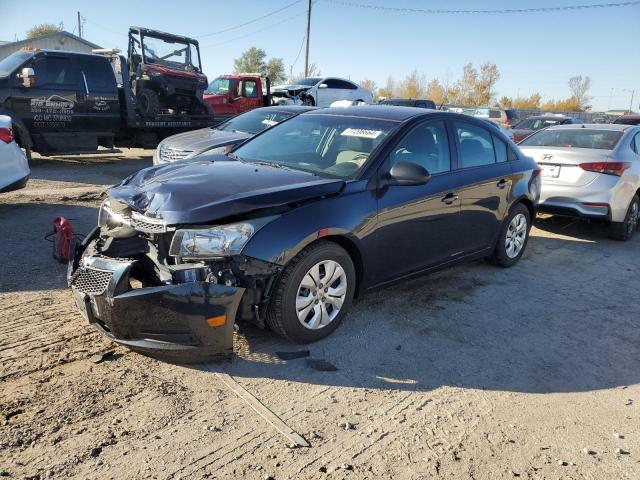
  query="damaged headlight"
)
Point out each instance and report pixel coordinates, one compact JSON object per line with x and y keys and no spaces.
{"x":114,"y":219}
{"x":220,"y":241}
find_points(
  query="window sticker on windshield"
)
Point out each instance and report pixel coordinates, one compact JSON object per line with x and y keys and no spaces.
{"x":269,"y":123}
{"x":361,"y":132}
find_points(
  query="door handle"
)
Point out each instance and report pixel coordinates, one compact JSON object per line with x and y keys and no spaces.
{"x":502,"y":183}
{"x":449,"y":198}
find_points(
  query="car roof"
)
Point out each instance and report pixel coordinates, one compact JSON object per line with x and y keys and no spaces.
{"x":385,"y":112}
{"x":592,"y":126}
{"x":629,"y":117}
{"x":290,"y":108}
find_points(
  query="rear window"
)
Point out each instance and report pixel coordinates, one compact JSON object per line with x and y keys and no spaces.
{"x":254,"y":121}
{"x":98,"y":74}
{"x":574,"y":138}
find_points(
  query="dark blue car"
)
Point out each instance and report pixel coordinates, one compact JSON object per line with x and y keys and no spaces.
{"x":286,"y":229}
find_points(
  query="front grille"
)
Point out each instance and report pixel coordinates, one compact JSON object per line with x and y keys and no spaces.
{"x":91,"y":280}
{"x":169,"y":154}
{"x":147,"y":224}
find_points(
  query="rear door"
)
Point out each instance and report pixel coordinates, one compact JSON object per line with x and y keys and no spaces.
{"x":102,"y":113}
{"x":57,"y":101}
{"x":486,"y":173}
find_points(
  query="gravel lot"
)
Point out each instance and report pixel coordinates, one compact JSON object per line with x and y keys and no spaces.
{"x":475,"y":372}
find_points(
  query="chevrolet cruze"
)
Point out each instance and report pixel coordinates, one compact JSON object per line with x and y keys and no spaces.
{"x":289,"y":227}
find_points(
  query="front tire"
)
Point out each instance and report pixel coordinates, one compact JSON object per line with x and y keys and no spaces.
{"x":513,"y":238}
{"x":314,"y":293}
{"x":623,"y":231}
{"x":148,"y":102}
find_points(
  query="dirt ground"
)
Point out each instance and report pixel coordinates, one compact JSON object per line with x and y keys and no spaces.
{"x":476,"y":372}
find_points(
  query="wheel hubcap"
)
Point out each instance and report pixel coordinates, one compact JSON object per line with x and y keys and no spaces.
{"x":321,"y":294}
{"x":516,"y":235}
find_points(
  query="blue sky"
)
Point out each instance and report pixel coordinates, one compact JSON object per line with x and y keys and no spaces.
{"x":534,"y":52}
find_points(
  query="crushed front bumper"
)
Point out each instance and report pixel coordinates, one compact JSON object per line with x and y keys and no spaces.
{"x":185,"y":321}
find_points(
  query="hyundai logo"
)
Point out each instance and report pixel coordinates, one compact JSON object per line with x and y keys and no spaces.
{"x":547,"y":156}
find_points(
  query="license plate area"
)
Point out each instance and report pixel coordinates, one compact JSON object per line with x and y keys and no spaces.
{"x":550,"y":171}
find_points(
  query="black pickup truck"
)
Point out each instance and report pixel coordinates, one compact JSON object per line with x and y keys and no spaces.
{"x":64,"y":102}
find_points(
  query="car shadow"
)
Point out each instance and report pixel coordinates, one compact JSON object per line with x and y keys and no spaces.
{"x":550,"y":324}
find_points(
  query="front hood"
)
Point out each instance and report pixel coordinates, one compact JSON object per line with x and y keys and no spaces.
{"x":204,"y":139}
{"x":280,"y":88}
{"x":204,"y":191}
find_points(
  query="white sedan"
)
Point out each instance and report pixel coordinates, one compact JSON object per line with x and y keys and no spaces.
{"x":14,"y":167}
{"x":321,"y":92}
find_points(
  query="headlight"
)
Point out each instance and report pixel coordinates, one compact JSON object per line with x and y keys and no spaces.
{"x":114,"y":220}
{"x":220,"y":241}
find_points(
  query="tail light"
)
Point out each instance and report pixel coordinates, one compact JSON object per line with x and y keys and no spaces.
{"x":608,"y":168}
{"x":6,"y":135}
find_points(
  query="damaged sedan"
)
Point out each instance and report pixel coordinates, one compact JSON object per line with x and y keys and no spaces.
{"x":289,"y":227}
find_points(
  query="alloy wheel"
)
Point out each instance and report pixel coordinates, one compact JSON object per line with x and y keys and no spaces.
{"x":321,"y":294}
{"x":516,"y":235}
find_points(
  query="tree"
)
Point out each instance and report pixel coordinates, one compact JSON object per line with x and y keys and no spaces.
{"x":43,"y":29}
{"x":389,"y":89}
{"x":486,"y":80}
{"x":314,"y":71}
{"x":505,"y":102}
{"x":253,"y":61}
{"x":274,"y":69}
{"x":579,"y":87}
{"x":571,"y":104}
{"x":250,"y":61}
{"x":413,"y":86}
{"x":370,"y":85}
{"x":435,"y":91}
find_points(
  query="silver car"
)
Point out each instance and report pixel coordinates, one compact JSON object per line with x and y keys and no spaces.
{"x":591,"y":171}
{"x":225,"y":136}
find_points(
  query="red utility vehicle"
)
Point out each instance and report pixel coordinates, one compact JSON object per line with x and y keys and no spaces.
{"x":230,"y":95}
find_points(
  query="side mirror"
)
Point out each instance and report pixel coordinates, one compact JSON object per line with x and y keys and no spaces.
{"x":408,"y":174}
{"x":28,"y":77}
{"x":323,"y":85}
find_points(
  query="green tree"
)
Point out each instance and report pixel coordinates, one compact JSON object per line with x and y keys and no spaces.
{"x":43,"y":29}
{"x":251,"y":61}
{"x":274,"y":69}
{"x":254,"y":61}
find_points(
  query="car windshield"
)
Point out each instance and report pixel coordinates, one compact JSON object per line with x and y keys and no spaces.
{"x":309,"y":81}
{"x":9,"y":64}
{"x":221,"y":86}
{"x":176,"y":54}
{"x":254,"y":121}
{"x":576,"y":138}
{"x":332,"y":146}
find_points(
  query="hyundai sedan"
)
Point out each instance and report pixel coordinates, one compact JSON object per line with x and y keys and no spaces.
{"x":592,"y":171}
{"x":292,"y":225}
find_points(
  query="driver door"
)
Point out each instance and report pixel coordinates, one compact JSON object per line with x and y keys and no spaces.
{"x":418,"y":225}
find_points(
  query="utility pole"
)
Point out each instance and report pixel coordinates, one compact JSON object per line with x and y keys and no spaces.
{"x":306,"y":55}
{"x":633,"y":92}
{"x":79,"y":26}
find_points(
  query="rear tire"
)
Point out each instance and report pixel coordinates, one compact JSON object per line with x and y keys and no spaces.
{"x":623,"y":231}
{"x":148,"y":102}
{"x":513,"y":237}
{"x":288,"y":303}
